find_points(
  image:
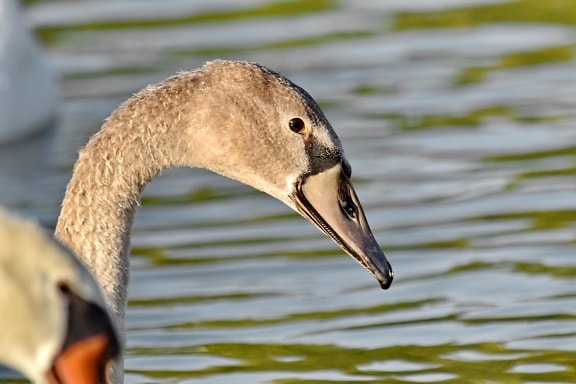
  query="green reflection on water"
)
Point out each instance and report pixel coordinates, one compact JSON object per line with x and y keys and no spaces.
{"x":531,"y":11}
{"x":538,"y":56}
{"x":566,"y":151}
{"x":473,"y":266}
{"x":200,"y":195}
{"x":471,"y":119}
{"x":283,"y":44}
{"x":563,"y":272}
{"x":539,"y":219}
{"x":563,"y":172}
{"x":456,"y":243}
{"x":373,"y":90}
{"x":119,"y":71}
{"x":548,"y":173}
{"x":563,"y":53}
{"x":497,"y":364}
{"x":192,"y":299}
{"x":272,"y":9}
{"x":325,"y":315}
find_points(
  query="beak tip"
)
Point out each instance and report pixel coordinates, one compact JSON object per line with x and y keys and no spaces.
{"x":385,"y":280}
{"x":385,"y":284}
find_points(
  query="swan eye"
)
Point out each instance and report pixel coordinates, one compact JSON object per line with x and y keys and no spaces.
{"x":296,"y":125}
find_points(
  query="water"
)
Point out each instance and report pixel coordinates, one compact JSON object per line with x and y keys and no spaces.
{"x":458,"y":119}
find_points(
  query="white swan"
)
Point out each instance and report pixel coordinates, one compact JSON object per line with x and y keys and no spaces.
{"x":54,"y":327}
{"x":238,"y":119}
{"x":28,"y":93}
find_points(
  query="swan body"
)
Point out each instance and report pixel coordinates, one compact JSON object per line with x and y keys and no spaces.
{"x":28,"y":93}
{"x":238,"y":119}
{"x":54,"y":326}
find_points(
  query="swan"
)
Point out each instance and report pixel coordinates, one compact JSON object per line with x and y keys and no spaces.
{"x":238,"y":119}
{"x":54,"y":325}
{"x":28,"y":91}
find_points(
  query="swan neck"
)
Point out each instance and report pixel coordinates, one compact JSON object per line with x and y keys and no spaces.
{"x":99,"y":206}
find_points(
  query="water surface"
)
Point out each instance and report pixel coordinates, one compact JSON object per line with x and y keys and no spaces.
{"x":458,"y":119}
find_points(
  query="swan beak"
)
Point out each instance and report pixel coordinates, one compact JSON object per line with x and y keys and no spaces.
{"x":90,"y":343}
{"x":83,"y":362}
{"x":328,"y":200}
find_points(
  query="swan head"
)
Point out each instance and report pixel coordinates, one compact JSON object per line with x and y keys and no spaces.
{"x":256,"y":126}
{"x":55,"y":328}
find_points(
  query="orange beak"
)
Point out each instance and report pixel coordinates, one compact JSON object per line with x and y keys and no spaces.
{"x":83,"y":362}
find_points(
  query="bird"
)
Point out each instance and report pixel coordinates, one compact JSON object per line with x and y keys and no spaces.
{"x":28,"y":88}
{"x":54,"y":328}
{"x":236,"y":118}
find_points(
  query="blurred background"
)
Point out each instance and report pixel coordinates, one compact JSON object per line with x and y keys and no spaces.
{"x":458,"y":117}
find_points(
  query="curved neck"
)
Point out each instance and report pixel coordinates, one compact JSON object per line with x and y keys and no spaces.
{"x":98,"y":210}
{"x":134,"y":144}
{"x":100,"y":202}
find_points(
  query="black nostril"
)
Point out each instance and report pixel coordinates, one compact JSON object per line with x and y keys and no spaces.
{"x":349,"y":209}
